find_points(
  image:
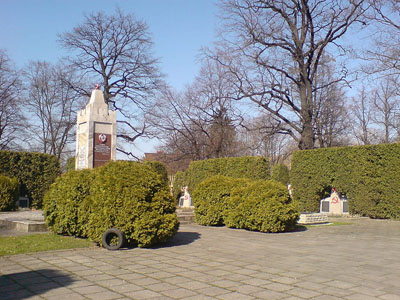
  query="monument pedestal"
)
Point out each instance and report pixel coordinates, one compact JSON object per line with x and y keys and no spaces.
{"x":96,"y":133}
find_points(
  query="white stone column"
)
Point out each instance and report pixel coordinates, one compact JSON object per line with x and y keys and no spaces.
{"x":96,"y":133}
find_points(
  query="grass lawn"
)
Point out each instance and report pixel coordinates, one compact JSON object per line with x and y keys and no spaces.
{"x":10,"y":245}
{"x":334,"y":223}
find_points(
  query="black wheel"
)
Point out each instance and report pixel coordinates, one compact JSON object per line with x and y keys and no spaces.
{"x":113,"y":239}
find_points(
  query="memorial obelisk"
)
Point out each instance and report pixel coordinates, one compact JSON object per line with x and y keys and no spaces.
{"x":96,"y":133}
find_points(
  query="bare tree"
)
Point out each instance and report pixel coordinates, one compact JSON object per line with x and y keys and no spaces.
{"x":200,"y":122}
{"x":386,"y":107}
{"x":331,"y":121}
{"x":53,"y":105}
{"x":383,"y":67}
{"x":274,"y":50}
{"x":383,"y":55}
{"x":11,"y":119}
{"x":116,"y":50}
{"x":257,"y":138}
{"x":362,"y":117}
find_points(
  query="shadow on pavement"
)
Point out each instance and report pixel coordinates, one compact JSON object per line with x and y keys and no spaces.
{"x":23,"y":285}
{"x":299,"y":228}
{"x":180,"y":239}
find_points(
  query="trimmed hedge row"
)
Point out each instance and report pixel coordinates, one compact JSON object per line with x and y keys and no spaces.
{"x":127,"y":195}
{"x":34,"y":171}
{"x":179,"y":182}
{"x":252,"y":167}
{"x":280,"y":173}
{"x":368,"y":175}
{"x":262,"y":205}
{"x":159,"y":168}
{"x":9,"y":192}
{"x":70,"y":165}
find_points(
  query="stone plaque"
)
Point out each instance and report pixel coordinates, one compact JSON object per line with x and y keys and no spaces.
{"x":345,"y":207}
{"x":325,"y":206}
{"x":101,"y":149}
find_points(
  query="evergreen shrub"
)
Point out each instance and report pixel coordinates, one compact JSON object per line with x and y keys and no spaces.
{"x":70,"y":165}
{"x":262,"y":205}
{"x":9,"y":193}
{"x":179,"y":182}
{"x":252,"y":167}
{"x":34,"y":171}
{"x":280,"y":173}
{"x":136,"y":200}
{"x":159,"y":168}
{"x":368,"y":175}
{"x":210,"y":196}
{"x":127,"y":195}
{"x":65,"y":205}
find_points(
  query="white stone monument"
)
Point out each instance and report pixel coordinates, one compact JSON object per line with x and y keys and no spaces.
{"x":334,"y":205}
{"x":96,"y":133}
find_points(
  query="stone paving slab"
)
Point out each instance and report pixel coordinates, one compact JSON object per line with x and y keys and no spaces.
{"x":358,"y":261}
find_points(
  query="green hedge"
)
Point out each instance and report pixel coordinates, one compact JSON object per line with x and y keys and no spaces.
{"x":252,"y":167}
{"x":368,"y":175}
{"x":280,"y":173}
{"x":210,"y":196}
{"x":159,"y":168}
{"x":70,"y":165}
{"x":9,"y":192}
{"x":127,"y":195}
{"x":179,"y":182}
{"x":262,"y":205}
{"x":34,"y":171}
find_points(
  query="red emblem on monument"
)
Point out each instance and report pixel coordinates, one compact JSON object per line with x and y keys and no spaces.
{"x":102,"y":138}
{"x":334,"y":196}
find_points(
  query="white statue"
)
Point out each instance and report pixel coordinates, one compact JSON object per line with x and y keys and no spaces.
{"x":290,"y":189}
{"x":186,"y":199}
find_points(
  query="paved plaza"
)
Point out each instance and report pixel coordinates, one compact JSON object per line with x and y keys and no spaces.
{"x":358,"y":261}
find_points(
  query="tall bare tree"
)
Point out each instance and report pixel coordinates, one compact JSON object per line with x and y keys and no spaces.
{"x":116,"y":50}
{"x":53,"y":105}
{"x":383,"y":67}
{"x":200,"y":122}
{"x":386,"y":107}
{"x":362,"y":117}
{"x":384,"y":53}
{"x":11,"y":119}
{"x":331,"y":121}
{"x":274,"y":50}
{"x":257,"y":137}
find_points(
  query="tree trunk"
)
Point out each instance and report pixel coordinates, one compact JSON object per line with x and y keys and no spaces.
{"x":307,"y":138}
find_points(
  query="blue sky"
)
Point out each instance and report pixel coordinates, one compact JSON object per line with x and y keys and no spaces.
{"x":29,"y":28}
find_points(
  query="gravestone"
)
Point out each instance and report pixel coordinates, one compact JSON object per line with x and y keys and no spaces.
{"x":96,"y":133}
